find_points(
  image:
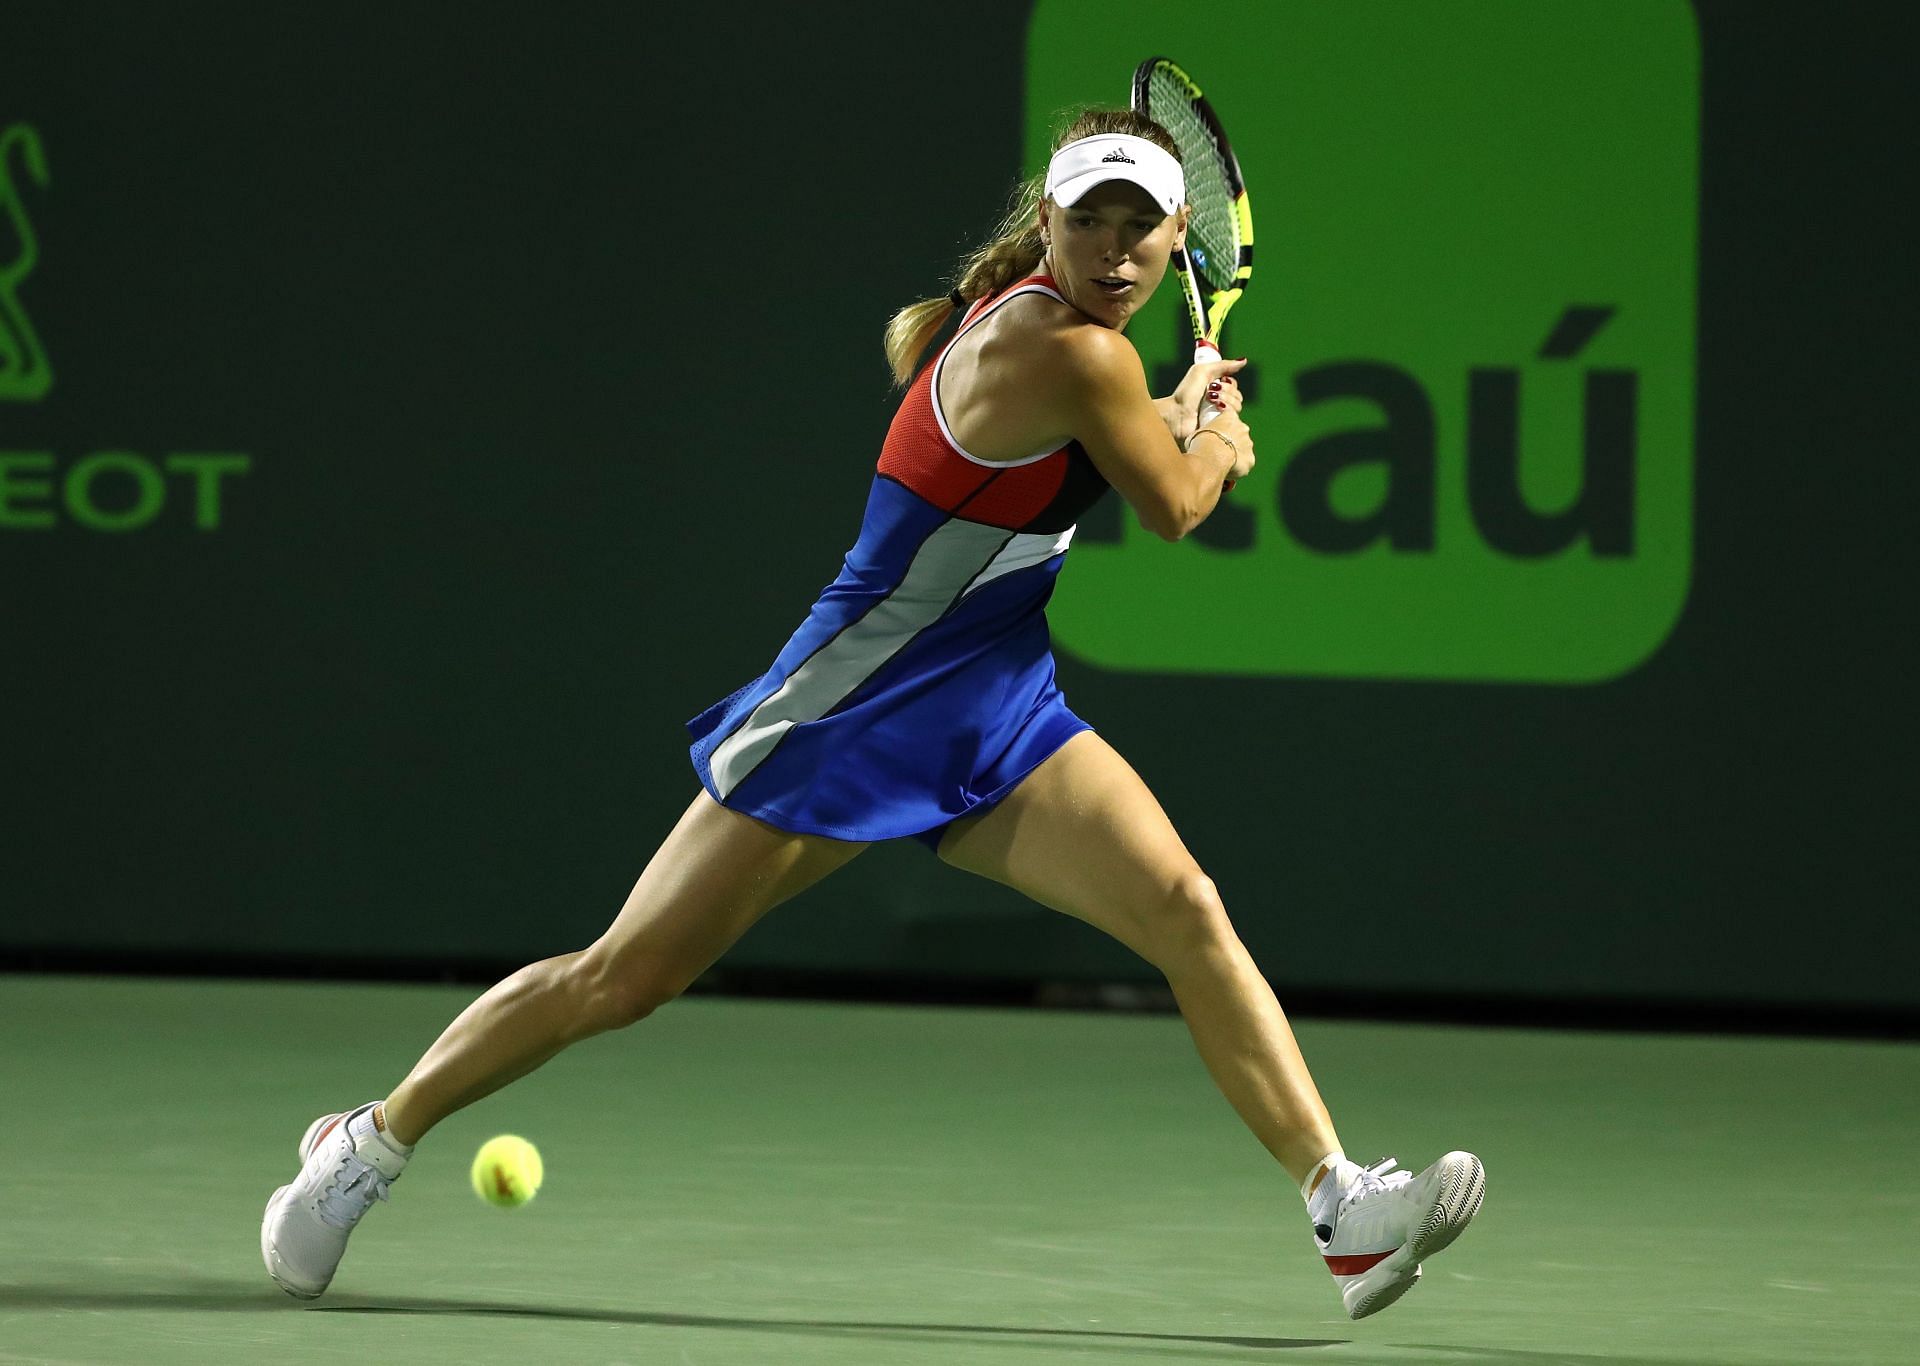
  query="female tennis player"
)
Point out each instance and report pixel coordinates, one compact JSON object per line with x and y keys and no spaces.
{"x":918,"y":699}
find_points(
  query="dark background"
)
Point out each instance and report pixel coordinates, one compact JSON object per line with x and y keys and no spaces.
{"x":562,"y":387}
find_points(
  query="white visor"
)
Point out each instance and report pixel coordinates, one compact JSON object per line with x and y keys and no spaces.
{"x":1079,"y":166}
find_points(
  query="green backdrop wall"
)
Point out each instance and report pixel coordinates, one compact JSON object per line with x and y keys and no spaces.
{"x":406,"y":421}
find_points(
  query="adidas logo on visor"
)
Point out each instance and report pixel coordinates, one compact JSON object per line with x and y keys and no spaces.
{"x":1117,"y":155}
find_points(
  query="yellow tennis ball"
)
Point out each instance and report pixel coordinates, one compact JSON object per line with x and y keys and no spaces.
{"x":507,"y":1171}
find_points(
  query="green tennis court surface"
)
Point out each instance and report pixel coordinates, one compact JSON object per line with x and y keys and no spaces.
{"x":757,"y":1182}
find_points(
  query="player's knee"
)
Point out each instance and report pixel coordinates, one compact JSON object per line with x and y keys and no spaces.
{"x":1193,"y":923}
{"x":618,"y":993}
{"x":629,"y":1002}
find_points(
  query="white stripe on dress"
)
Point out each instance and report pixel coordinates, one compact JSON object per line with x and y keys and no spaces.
{"x":954,"y":561}
{"x":1023,"y":552}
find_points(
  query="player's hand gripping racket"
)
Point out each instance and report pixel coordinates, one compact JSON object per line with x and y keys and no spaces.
{"x":1218,"y":260}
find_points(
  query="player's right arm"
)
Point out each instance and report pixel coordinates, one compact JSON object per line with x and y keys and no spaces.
{"x":1104,"y":403}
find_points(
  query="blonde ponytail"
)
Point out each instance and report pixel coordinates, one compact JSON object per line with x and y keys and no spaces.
{"x":1012,"y":253}
{"x":909,"y":331}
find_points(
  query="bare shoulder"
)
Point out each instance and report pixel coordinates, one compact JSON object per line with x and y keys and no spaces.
{"x":1037,"y":371}
{"x":1054,"y":341}
{"x":1099,"y":359}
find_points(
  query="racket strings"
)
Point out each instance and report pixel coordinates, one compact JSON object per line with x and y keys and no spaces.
{"x":1213,"y":230}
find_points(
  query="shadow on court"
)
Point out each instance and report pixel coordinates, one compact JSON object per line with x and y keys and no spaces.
{"x":227,"y":1297}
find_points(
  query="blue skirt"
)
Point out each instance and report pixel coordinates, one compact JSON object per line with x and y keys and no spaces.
{"x":908,"y":758}
{"x":919,"y":689}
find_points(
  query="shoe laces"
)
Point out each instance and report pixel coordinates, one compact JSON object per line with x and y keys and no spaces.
{"x":350,"y":1190}
{"x":1375,"y":1180}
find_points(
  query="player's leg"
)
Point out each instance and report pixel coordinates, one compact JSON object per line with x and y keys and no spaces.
{"x":715,"y":875}
{"x":1083,"y":835}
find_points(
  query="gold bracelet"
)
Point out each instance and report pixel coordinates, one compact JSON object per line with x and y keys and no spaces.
{"x":1208,"y":431}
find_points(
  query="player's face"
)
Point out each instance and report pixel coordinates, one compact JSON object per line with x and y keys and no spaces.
{"x":1109,"y":251}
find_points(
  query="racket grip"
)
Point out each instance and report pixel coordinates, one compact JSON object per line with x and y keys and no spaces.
{"x":1205,"y":354}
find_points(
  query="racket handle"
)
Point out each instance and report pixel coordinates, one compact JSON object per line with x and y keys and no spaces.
{"x":1205,"y":354}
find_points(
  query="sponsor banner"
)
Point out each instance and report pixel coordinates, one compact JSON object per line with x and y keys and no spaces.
{"x":106,"y":490}
{"x":1472,"y":325}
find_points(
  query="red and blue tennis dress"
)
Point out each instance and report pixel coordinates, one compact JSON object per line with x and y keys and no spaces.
{"x":920,"y":688}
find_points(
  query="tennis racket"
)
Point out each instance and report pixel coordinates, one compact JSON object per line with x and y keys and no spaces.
{"x":1217,"y":262}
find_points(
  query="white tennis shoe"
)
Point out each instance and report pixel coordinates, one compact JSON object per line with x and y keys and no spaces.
{"x":1375,"y":1225}
{"x":304,"y":1232}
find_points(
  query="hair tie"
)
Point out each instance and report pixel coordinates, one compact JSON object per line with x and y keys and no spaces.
{"x":957,"y":299}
